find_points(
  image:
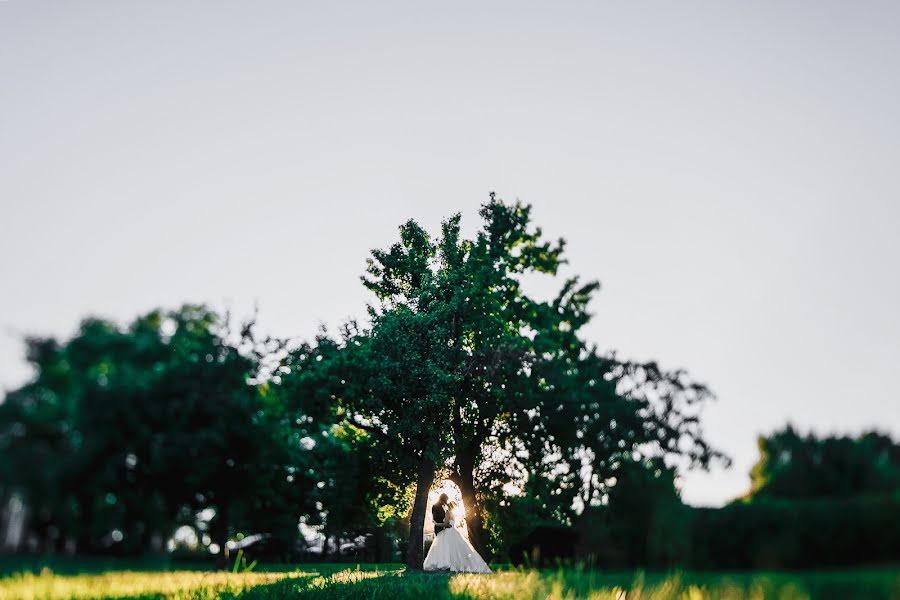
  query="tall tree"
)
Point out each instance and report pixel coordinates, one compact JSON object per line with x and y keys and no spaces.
{"x":125,"y":430}
{"x":494,"y":329}
{"x":390,"y":381}
{"x":528,"y":395}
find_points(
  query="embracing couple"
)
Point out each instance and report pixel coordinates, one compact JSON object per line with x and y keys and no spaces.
{"x":450,"y":551}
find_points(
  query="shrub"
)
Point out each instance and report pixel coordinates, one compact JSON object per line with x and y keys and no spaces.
{"x":796,"y":533}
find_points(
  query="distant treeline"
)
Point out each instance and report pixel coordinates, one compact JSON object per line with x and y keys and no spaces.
{"x":186,"y":432}
{"x":185,"y":429}
{"x":815,"y":502}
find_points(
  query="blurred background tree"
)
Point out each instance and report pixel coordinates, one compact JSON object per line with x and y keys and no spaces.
{"x":794,"y":466}
{"x":125,"y":434}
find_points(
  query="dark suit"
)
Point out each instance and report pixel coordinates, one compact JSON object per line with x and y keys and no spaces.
{"x":438,"y":514}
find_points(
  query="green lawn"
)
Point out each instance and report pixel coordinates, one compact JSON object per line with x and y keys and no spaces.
{"x":390,"y":582}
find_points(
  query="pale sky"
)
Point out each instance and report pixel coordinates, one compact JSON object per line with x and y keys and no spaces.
{"x":728,"y":171}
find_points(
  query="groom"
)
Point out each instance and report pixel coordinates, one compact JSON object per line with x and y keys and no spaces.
{"x":439,"y":513}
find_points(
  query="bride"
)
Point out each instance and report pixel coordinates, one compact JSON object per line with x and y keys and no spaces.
{"x":450,"y":550}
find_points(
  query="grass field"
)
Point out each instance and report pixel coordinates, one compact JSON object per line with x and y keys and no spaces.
{"x":391,"y":582}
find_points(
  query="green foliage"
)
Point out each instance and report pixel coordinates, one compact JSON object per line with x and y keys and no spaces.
{"x":841,"y":523}
{"x":801,"y":467}
{"x":797,"y":533}
{"x":529,"y":402}
{"x":641,"y":524}
{"x":126,"y":433}
{"x":511,"y":519}
{"x":241,"y":565}
{"x":389,"y":380}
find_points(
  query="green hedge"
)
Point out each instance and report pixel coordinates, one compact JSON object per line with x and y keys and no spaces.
{"x":781,"y":534}
{"x":795,"y":534}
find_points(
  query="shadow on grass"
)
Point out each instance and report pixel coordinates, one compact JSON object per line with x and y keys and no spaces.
{"x":143,"y":585}
{"x":393,"y":585}
{"x":391,"y":582}
{"x":577,"y":584}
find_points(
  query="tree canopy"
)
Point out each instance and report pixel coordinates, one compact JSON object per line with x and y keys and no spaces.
{"x":124,"y":434}
{"x":458,"y":370}
{"x":794,"y":466}
{"x":461,"y":369}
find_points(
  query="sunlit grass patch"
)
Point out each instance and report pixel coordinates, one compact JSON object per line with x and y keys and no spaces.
{"x":132,"y":584}
{"x":578,"y":584}
{"x":344,"y":577}
{"x":392,"y":582}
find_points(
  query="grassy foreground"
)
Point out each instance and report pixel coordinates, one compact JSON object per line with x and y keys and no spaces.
{"x":390,"y":582}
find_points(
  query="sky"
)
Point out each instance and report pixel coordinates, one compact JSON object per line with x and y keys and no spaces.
{"x":727,"y":170}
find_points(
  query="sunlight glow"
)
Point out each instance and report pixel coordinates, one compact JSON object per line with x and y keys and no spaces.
{"x":453,"y":494}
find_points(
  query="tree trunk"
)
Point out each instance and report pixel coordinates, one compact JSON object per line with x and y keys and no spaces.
{"x":464,"y":477}
{"x":415,"y":546}
{"x":220,"y":534}
{"x":382,"y":545}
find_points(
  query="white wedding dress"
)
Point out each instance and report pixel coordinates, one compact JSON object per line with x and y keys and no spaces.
{"x":450,"y":551}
